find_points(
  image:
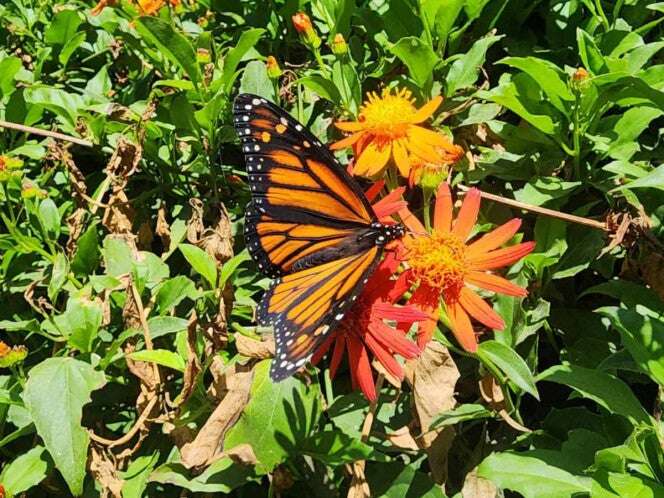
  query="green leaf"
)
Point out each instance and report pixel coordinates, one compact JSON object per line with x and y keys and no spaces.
{"x":9,"y":66}
{"x":137,"y":475}
{"x":521,"y":95}
{"x":118,"y":257}
{"x":164,"y":325}
{"x":396,"y":480}
{"x":161,"y":357}
{"x":603,"y":388}
{"x":548,"y":76}
{"x":530,"y":476}
{"x":86,"y":257}
{"x":59,"y":274}
{"x":80,"y":322}
{"x":70,"y":47}
{"x":589,"y":52}
{"x":26,"y":471}
{"x":643,"y":336}
{"x":510,"y":363}
{"x":322,"y":86}
{"x":461,"y":413}
{"x":173,"y":291}
{"x":654,"y":179}
{"x":201,"y":261}
{"x":223,"y":476}
{"x":255,"y":80}
{"x":336,"y":448}
{"x":230,"y":267}
{"x":63,"y":27}
{"x":49,"y":216}
{"x":247,"y":40}
{"x":277,"y":418}
{"x":418,"y":57}
{"x":173,"y":45}
{"x":465,"y":69}
{"x":54,"y":394}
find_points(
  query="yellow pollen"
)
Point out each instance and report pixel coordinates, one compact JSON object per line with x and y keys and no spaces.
{"x":438,"y":260}
{"x":388,"y":115}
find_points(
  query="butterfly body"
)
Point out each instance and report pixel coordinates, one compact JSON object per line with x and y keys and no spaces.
{"x":308,"y":225}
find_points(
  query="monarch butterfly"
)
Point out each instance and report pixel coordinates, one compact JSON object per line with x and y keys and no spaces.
{"x":308,"y":225}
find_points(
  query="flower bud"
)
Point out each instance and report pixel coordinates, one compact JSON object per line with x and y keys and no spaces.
{"x":339,"y":46}
{"x":273,"y":70}
{"x":9,"y":166}
{"x":11,"y":356}
{"x":202,"y":55}
{"x":306,"y":30}
{"x":580,"y":79}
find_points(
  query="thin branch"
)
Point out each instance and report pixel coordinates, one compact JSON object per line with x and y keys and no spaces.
{"x":45,"y":133}
{"x":546,"y":212}
{"x":132,"y":432}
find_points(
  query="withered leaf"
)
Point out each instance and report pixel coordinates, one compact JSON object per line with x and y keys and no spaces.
{"x":478,"y":487}
{"x":105,"y":473}
{"x":253,"y":348}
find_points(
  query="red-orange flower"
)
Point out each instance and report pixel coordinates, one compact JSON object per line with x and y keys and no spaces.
{"x":444,"y":265}
{"x":363,"y":332}
{"x":301,"y":22}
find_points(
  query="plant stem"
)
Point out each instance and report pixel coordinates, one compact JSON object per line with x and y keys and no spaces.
{"x":602,"y":15}
{"x":45,"y":133}
{"x":540,"y":210}
{"x":426,"y":212}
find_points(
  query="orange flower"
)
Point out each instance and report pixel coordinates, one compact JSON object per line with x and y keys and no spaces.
{"x":388,"y":128}
{"x":444,"y":265}
{"x":273,"y":70}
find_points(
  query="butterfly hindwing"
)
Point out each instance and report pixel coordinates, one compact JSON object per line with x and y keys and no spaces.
{"x":305,"y":307}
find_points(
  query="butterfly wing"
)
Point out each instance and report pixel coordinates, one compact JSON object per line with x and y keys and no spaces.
{"x":305,"y":306}
{"x":303,"y":203}
{"x":303,"y":200}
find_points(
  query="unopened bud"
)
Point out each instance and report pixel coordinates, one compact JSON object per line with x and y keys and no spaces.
{"x":339,"y":46}
{"x":580,"y":79}
{"x":273,"y":70}
{"x":306,"y":30}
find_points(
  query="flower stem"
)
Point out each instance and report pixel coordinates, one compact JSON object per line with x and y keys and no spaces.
{"x":45,"y":133}
{"x":426,"y":211}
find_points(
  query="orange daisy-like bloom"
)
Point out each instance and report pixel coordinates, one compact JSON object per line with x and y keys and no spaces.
{"x":388,"y":128}
{"x":445,"y":266}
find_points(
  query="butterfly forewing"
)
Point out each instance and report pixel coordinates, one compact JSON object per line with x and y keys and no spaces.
{"x":303,"y":203}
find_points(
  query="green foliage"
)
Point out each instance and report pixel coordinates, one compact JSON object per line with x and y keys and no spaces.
{"x":128,"y":294}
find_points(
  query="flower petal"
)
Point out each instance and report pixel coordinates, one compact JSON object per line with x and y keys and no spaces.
{"x":390,"y":204}
{"x":467,"y":216}
{"x":480,"y":310}
{"x":422,"y":151}
{"x":322,"y":350}
{"x":495,"y":238}
{"x":360,"y":367}
{"x":384,"y":357}
{"x":494,"y":283}
{"x":387,"y":311}
{"x":411,"y":222}
{"x":373,"y":191}
{"x":427,"y":110}
{"x":442,"y":216}
{"x":500,"y":257}
{"x":401,"y":286}
{"x":427,"y":299}
{"x":350,"y":125}
{"x":373,"y":159}
{"x":430,"y":138}
{"x":401,"y":157}
{"x":337,"y":354}
{"x":345,"y":142}
{"x":461,"y":327}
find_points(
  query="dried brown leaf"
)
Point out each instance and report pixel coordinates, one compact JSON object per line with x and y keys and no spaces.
{"x":433,"y":377}
{"x":218,"y":241}
{"x":105,"y":473}
{"x":195,"y":226}
{"x":253,"y":348}
{"x":492,"y":393}
{"x":478,"y":487}
{"x":193,"y":366}
{"x":208,"y":444}
{"x":163,"y":229}
{"x":359,"y":487}
{"x":402,"y":438}
{"x":145,"y":236}
{"x":378,"y":367}
{"x":119,"y":215}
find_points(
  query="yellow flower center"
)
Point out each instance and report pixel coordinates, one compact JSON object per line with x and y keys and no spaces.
{"x":388,"y":115}
{"x":438,"y":260}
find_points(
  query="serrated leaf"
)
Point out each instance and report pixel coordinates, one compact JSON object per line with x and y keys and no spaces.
{"x":54,"y":394}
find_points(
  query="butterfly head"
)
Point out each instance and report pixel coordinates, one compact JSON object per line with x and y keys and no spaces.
{"x":387,"y":233}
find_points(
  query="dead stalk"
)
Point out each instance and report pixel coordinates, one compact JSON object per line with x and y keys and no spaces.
{"x":45,"y":133}
{"x":540,"y":210}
